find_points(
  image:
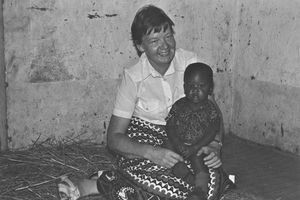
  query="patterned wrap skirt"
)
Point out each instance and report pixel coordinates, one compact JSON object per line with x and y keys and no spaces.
{"x":141,"y":179}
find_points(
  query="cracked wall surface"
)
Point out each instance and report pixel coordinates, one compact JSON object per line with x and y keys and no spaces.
{"x":3,"y":112}
{"x":64,"y":60}
{"x":267,"y":74}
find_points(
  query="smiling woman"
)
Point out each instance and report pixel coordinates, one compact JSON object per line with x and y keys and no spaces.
{"x":136,"y":131}
{"x":159,"y":47}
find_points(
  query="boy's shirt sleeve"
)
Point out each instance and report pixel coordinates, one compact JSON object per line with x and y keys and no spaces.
{"x":171,"y":114}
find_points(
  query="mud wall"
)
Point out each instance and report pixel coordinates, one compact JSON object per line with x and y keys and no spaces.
{"x":64,"y":58}
{"x":267,"y":73}
{"x":3,"y":117}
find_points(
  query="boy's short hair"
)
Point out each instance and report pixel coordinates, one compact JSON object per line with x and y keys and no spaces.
{"x":147,"y":19}
{"x":200,"y":68}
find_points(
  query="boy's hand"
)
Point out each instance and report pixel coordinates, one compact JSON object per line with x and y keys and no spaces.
{"x":212,"y":160}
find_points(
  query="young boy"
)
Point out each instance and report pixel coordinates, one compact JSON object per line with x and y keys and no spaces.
{"x":193,"y":122}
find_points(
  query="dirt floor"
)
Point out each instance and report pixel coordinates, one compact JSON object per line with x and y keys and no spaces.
{"x":261,"y":173}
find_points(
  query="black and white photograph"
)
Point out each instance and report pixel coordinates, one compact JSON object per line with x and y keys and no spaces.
{"x":149,"y":100}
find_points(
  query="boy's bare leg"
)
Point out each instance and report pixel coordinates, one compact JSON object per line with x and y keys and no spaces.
{"x":201,"y":172}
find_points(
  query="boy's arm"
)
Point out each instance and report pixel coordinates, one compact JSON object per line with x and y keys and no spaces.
{"x":213,"y":130}
{"x":174,"y":142}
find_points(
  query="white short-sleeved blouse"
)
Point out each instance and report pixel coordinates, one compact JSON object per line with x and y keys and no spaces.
{"x":146,"y":94}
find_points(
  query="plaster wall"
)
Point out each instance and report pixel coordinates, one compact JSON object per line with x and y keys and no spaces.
{"x":64,"y":59}
{"x":3,"y":117}
{"x":266,"y":76}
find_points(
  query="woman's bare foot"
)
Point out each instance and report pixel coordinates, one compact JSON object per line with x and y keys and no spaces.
{"x":73,"y":189}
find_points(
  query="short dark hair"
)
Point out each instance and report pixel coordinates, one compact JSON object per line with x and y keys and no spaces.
{"x":199,"y":68}
{"x":147,"y":19}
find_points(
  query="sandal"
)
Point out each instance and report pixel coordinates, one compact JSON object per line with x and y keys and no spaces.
{"x":96,"y":175}
{"x":67,"y":190}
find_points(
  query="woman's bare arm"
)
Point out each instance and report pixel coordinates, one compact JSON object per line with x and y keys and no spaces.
{"x":119,"y":142}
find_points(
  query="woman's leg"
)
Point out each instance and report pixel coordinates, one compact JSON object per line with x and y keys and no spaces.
{"x":219,"y":183}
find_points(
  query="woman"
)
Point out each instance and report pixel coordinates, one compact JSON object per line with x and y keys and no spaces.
{"x":137,"y":127}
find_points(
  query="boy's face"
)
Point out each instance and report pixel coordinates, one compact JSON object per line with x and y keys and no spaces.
{"x":197,"y":88}
{"x":159,"y":48}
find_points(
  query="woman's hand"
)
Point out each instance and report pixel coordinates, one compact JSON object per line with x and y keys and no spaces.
{"x":163,"y":157}
{"x":212,"y":160}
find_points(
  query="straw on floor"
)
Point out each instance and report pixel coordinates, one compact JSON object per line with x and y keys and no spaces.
{"x":33,"y":174}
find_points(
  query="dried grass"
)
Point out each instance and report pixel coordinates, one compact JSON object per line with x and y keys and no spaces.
{"x":33,"y":173}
